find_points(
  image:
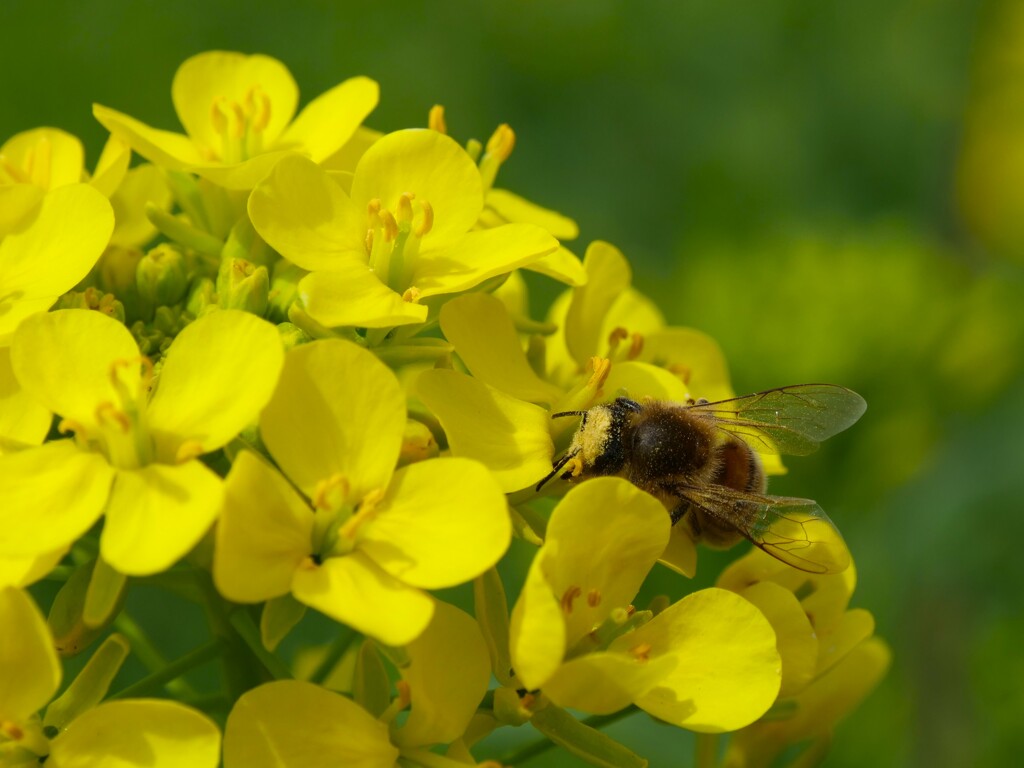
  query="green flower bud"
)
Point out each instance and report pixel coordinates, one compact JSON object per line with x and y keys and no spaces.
{"x":292,"y":335}
{"x":241,"y":285}
{"x":73,"y":628}
{"x":418,"y":443}
{"x":201,"y":295}
{"x":94,"y":299}
{"x":284,"y":289}
{"x":161,"y":278}
{"x":115,"y":274}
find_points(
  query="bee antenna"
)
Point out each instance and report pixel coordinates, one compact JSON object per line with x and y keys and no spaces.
{"x":567,"y":413}
{"x":556,"y":469}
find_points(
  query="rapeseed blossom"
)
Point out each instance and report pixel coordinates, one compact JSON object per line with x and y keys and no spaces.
{"x":287,"y":363}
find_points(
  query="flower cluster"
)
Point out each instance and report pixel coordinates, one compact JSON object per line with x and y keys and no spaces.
{"x":286,"y":366}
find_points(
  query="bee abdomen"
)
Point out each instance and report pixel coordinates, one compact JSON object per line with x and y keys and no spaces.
{"x":667,"y":447}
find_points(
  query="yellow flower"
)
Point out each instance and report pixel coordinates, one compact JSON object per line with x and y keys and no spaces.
{"x":237,"y":112}
{"x":396,"y":233}
{"x":133,"y":458}
{"x":156,"y":733}
{"x":707,"y":663}
{"x":370,"y":539}
{"x":830,"y":661}
{"x":48,"y":158}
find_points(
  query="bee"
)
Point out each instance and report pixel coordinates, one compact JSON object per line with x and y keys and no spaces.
{"x":700,"y":459}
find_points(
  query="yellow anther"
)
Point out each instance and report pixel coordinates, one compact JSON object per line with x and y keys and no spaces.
{"x":308,"y":564}
{"x":258,"y":104}
{"x":616,"y":336}
{"x":599,"y":368}
{"x":404,"y":693}
{"x":405,"y":214}
{"x":68,"y":426}
{"x":681,"y":371}
{"x":435,"y":120}
{"x":411,"y":295}
{"x":502,"y":142}
{"x":331,"y":493}
{"x":373,"y":212}
{"x":108,"y":414}
{"x":188,"y":450}
{"x":574,"y":466}
{"x":427,"y":222}
{"x":527,"y":700}
{"x":636,"y":346}
{"x":241,"y":123}
{"x":366,"y":512}
{"x":11,"y":730}
{"x":593,"y":598}
{"x":568,"y":597}
{"x":641,"y":652}
{"x":369,"y":241}
{"x":389,"y":224}
{"x":218,"y":116}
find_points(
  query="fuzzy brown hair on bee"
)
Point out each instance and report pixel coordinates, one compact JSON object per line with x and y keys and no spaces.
{"x":700,"y":460}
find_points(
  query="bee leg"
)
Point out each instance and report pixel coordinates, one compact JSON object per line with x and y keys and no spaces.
{"x":678,"y":513}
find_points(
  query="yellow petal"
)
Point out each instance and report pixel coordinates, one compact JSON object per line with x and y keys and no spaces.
{"x":24,"y":570}
{"x":355,"y":591}
{"x":167,"y":149}
{"x":562,"y":265}
{"x":430,"y":165}
{"x":49,"y":496}
{"x":48,"y":257}
{"x":447,"y":676}
{"x":483,"y":334}
{"x":208,"y":77}
{"x":729,"y":670}
{"x":506,"y":435}
{"x":511,"y":207}
{"x":602,"y":683}
{"x":48,"y":157}
{"x":306,"y":216}
{"x":855,"y":626}
{"x":478,"y":256}
{"x":608,"y":275}
{"x":281,"y":725}
{"x":264,"y":533}
{"x":51,"y":349}
{"x":537,"y":637}
{"x":794,"y":636}
{"x":337,"y":410}
{"x":157,"y":514}
{"x":217,"y":376}
{"x":681,"y":552}
{"x":142,"y":185}
{"x":627,"y":531}
{"x":442,"y":523}
{"x":29,"y":668}
{"x":352,"y":295}
{"x":696,"y":356}
{"x":644,"y":380}
{"x":329,"y":120}
{"x":134,"y":732}
{"x":19,"y":204}
{"x":22,"y":419}
{"x":239,"y":176}
{"x":112,"y":166}
{"x":346,"y":158}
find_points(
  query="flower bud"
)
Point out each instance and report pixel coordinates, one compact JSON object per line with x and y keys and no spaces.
{"x":241,"y":285}
{"x":161,"y":278}
{"x":115,"y":274}
{"x":201,"y":295}
{"x":418,"y":443}
{"x":292,"y":336}
{"x":72,"y":632}
{"x":284,"y":289}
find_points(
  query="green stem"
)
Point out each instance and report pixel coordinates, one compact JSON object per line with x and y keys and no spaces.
{"x":153,"y":684}
{"x":250,"y":634}
{"x":60,"y":573}
{"x":335,"y":651}
{"x":541,"y":746}
{"x":430,"y":759}
{"x":147,"y":652}
{"x":705,"y":750}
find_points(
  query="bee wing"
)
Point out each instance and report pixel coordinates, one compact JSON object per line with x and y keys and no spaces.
{"x":795,"y":531}
{"x":793,"y":420}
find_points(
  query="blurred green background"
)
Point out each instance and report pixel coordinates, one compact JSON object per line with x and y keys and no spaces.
{"x":834,"y":191}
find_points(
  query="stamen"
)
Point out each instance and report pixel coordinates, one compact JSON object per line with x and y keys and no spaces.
{"x":600,"y":368}
{"x":636,"y":346}
{"x":308,"y":564}
{"x":240,"y":121}
{"x":369,"y":242}
{"x":259,"y":108}
{"x":404,"y":693}
{"x":570,"y":594}
{"x":373,"y":212}
{"x":405,"y":208}
{"x":435,"y":120}
{"x":366,"y":511}
{"x":641,"y":652}
{"x":218,"y":117}
{"x":390,"y":225}
{"x":67,"y":427}
{"x":502,"y":142}
{"x":574,"y":466}
{"x":11,"y":730}
{"x":411,"y":295}
{"x":188,"y":450}
{"x":593,"y":598}
{"x":427,"y":222}
{"x":331,"y":493}
{"x":681,"y":371}
{"x":615,"y":337}
{"x":108,"y":414}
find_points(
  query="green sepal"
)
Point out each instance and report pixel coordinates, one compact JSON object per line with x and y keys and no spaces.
{"x":279,"y":617}
{"x":595,"y":747}
{"x":284,"y":289}
{"x":91,"y":685}
{"x":491,"y":608}
{"x":508,"y":708}
{"x":244,"y":243}
{"x":71,"y":635}
{"x":162,"y":278}
{"x":183,"y":233}
{"x":371,"y":686}
{"x":104,"y":596}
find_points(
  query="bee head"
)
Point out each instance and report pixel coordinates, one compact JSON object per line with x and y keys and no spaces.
{"x":598,"y":443}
